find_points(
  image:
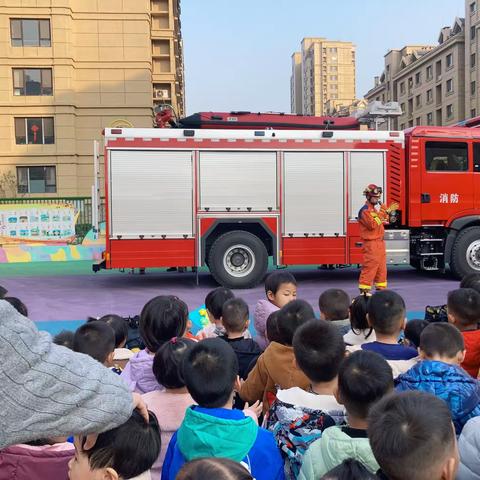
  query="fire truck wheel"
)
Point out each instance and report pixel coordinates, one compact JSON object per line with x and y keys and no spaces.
{"x":466,"y":253}
{"x":238,"y":259}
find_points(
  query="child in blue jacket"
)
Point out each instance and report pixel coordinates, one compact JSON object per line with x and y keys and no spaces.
{"x":442,"y":351}
{"x":213,"y":428}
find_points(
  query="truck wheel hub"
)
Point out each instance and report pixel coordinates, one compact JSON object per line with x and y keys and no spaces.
{"x":239,"y":260}
{"x":473,"y":255}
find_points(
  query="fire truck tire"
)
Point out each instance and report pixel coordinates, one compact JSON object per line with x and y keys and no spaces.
{"x":238,"y":259}
{"x":465,"y":257}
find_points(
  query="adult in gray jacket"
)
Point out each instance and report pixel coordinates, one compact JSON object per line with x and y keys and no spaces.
{"x":49,"y":391}
{"x":469,"y":448}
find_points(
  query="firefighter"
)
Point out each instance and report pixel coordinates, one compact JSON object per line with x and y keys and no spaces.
{"x":372,"y":216}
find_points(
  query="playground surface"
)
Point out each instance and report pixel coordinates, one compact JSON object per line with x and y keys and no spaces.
{"x":62,"y":295}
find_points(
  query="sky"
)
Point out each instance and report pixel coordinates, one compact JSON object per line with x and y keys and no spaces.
{"x":238,"y":52}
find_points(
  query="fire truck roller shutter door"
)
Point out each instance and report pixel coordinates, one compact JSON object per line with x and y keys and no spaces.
{"x":465,"y":256}
{"x":238,"y":259}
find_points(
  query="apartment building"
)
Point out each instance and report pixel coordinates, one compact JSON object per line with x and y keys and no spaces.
{"x":427,"y":81}
{"x":68,"y":69}
{"x":472,"y":56}
{"x":327,"y":73}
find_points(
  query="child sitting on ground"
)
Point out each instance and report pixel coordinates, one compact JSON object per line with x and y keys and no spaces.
{"x":413,"y":330}
{"x":96,"y":339}
{"x":280,"y":288}
{"x":360,"y":332}
{"x":64,"y":339}
{"x":18,"y":305}
{"x":213,"y":428}
{"x":463,"y":307}
{"x":214,"y":469}
{"x":121,"y":354}
{"x":442,"y":351}
{"x":170,"y":405}
{"x":471,"y":280}
{"x":272,"y":327}
{"x":126,"y":452}
{"x":334,"y":306}
{"x":298,"y":417}
{"x":235,"y":321}
{"x":412,"y":437}
{"x":386,"y":314}
{"x":363,"y":379}
{"x":213,"y":304}
{"x":275,"y":367}
{"x":162,"y":319}
{"x":468,"y":448}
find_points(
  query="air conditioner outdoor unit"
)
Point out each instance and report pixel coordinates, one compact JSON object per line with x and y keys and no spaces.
{"x":160,"y":93}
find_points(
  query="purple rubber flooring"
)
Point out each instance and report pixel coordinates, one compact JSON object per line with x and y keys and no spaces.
{"x":75,"y":297}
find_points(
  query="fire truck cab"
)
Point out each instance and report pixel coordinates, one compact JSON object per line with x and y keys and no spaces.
{"x":232,"y":199}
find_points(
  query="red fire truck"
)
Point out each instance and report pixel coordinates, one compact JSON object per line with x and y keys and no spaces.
{"x":230,"y":199}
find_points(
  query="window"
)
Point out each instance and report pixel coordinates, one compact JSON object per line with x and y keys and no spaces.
{"x":449,"y":86}
{"x":446,"y":156}
{"x":473,"y":88}
{"x":418,"y":121}
{"x":418,"y":100}
{"x":30,"y":32}
{"x":429,"y":96}
{"x":473,"y":113}
{"x":402,"y":126}
{"x":334,"y":87}
{"x":473,"y":7}
{"x":418,"y":78}
{"x":36,"y":180}
{"x":333,"y":50}
{"x":402,"y":107}
{"x":333,"y":69}
{"x":333,"y":78}
{"x":402,"y":88}
{"x":430,"y":118}
{"x":32,"y":81}
{"x":438,"y":69}
{"x":449,"y":111}
{"x":34,"y":131}
{"x":449,"y":60}
{"x":473,"y":32}
{"x":429,"y":72}
{"x":473,"y":60}
{"x":334,"y":96}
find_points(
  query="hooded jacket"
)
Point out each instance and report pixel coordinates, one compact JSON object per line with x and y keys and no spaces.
{"x":448,"y":382}
{"x":274,"y":368}
{"x":469,"y":446}
{"x":24,"y":462}
{"x":263,"y":309}
{"x":336,"y":445}
{"x":218,"y":432}
{"x":138,"y":373}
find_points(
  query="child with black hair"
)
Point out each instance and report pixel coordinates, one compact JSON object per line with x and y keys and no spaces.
{"x":442,"y":351}
{"x":235,"y":321}
{"x":412,"y":437}
{"x":280,"y":288}
{"x":214,"y":302}
{"x":170,"y":405}
{"x":64,"y":339}
{"x":363,"y":379}
{"x":298,"y":417}
{"x":3,"y":292}
{"x":124,"y":453}
{"x":272,"y":327}
{"x":463,"y":310}
{"x":360,"y":332}
{"x":96,"y":339}
{"x":214,"y":468}
{"x":213,"y":428}
{"x":334,"y":306}
{"x":162,"y":318}
{"x":413,"y":330}
{"x":275,"y":367}
{"x":350,"y":469}
{"x":18,"y":305}
{"x":471,"y":280}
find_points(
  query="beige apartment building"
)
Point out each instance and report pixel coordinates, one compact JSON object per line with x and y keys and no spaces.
{"x":327,"y":74}
{"x":472,"y":57}
{"x":68,"y":69}
{"x":427,"y":81}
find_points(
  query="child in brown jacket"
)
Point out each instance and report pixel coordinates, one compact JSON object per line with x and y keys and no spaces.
{"x":276,"y":367}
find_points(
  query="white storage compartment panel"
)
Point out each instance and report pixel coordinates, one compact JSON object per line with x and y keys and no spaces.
{"x":238,"y":181}
{"x":150,"y":193}
{"x":365,"y":168}
{"x":314,"y":193}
